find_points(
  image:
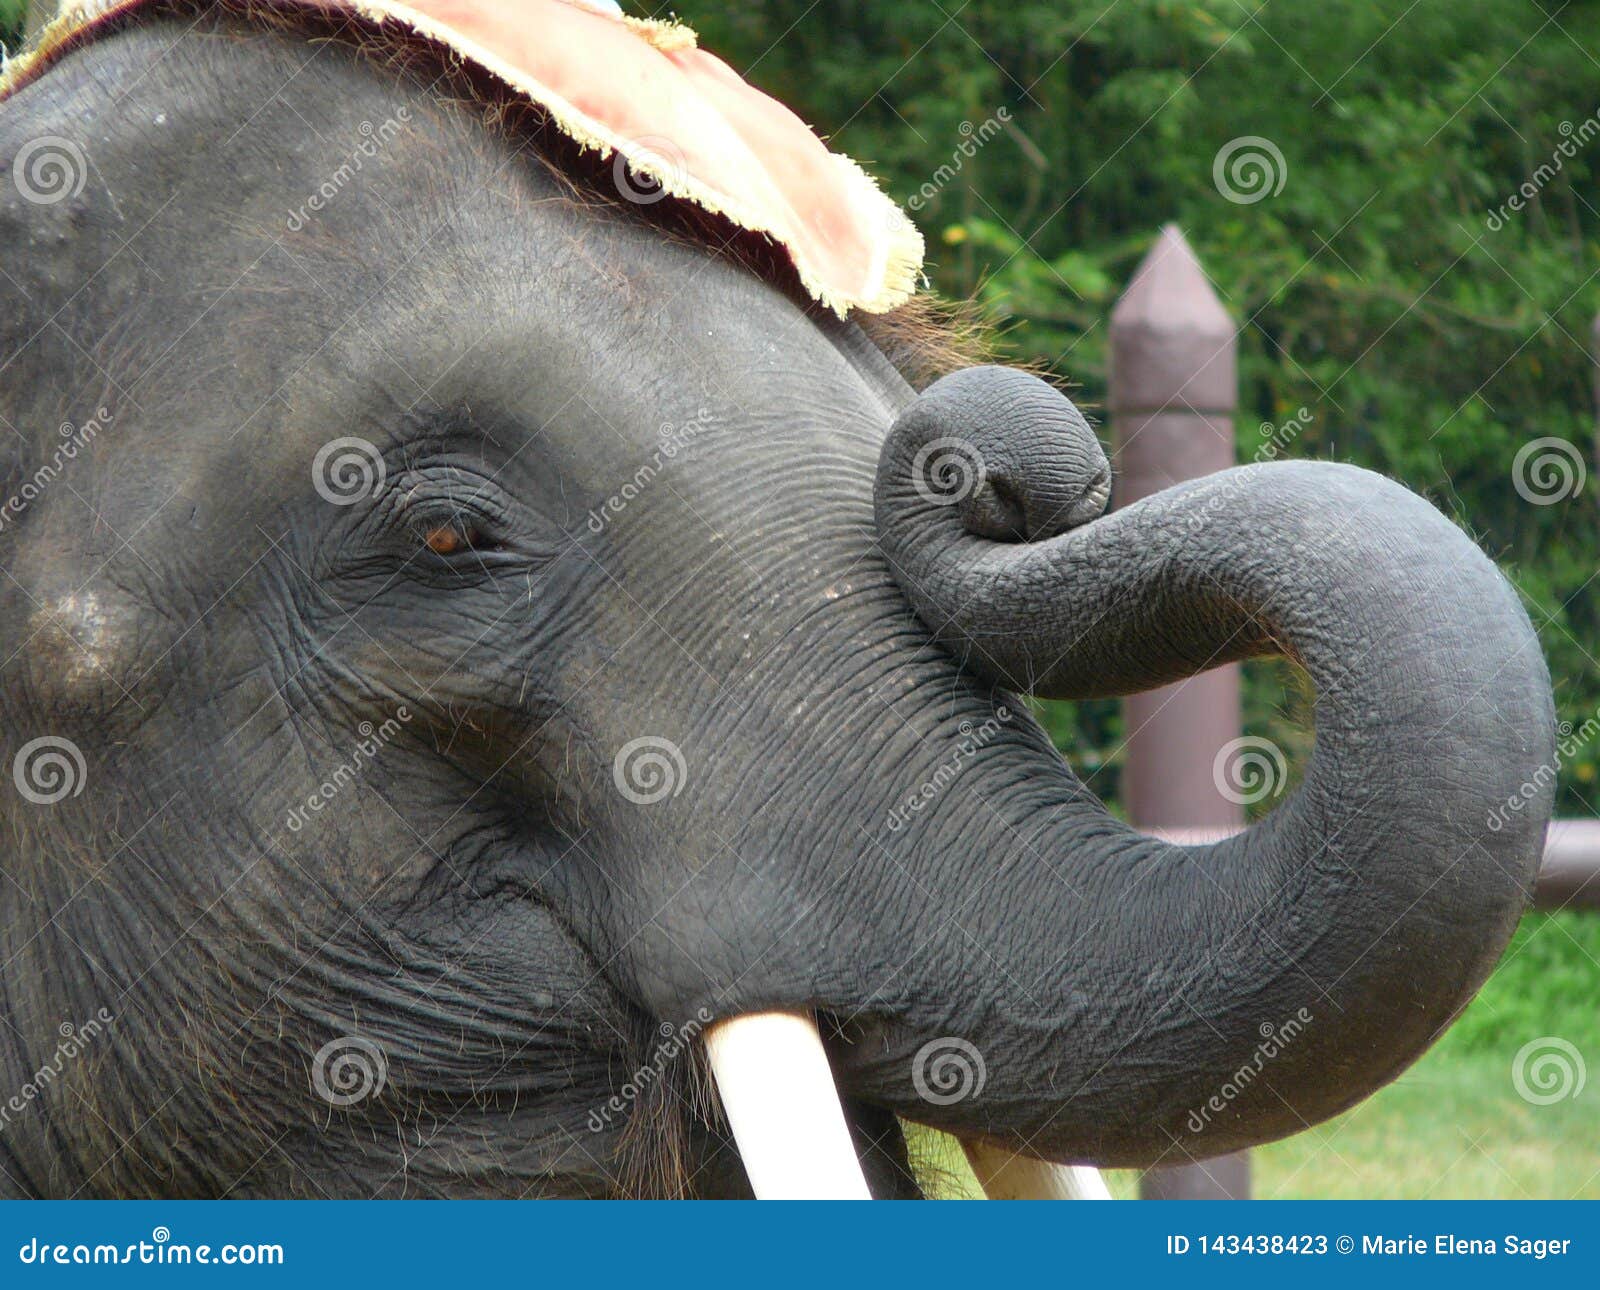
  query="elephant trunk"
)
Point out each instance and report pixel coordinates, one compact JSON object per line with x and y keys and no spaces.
{"x":1195,"y":1000}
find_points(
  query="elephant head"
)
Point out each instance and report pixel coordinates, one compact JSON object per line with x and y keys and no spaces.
{"x":481,"y":637}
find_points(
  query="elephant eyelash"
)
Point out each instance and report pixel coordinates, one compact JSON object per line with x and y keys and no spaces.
{"x":451,"y":527}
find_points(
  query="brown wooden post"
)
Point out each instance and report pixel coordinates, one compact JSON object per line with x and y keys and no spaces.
{"x":1173,"y":392}
{"x":1570,"y":876}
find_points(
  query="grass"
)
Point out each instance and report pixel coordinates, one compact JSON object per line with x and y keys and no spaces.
{"x":1455,"y":1124}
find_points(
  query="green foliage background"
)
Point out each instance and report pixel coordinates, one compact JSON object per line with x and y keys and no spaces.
{"x":12,"y":13}
{"x":1371,"y":288}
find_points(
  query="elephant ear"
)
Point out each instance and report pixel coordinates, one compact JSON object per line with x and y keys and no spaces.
{"x":675,"y":121}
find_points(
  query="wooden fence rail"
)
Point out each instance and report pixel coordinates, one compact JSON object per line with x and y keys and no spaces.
{"x":1569,"y":879}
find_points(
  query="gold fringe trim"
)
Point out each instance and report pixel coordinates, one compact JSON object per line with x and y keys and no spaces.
{"x":667,"y":35}
{"x":18,"y":71}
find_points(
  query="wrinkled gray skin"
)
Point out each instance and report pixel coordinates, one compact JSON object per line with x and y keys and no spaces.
{"x":479,"y":900}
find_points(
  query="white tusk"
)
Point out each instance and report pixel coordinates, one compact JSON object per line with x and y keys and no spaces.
{"x":778,"y":1092}
{"x":1007,"y":1176}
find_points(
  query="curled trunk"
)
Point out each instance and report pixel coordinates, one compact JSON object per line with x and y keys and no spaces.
{"x":1197,"y":1000}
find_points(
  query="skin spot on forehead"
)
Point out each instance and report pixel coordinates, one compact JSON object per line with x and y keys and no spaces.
{"x":93,"y":629}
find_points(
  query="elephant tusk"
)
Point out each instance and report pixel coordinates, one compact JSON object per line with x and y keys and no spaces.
{"x":778,"y":1093}
{"x":1007,"y":1176}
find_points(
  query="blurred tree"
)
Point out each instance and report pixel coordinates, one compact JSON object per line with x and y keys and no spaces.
{"x":13,"y":16}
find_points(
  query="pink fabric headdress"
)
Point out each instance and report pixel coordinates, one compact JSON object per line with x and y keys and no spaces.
{"x":640,"y":90}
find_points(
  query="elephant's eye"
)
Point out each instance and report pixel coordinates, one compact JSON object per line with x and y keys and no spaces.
{"x":446,"y":518}
{"x":453,"y":539}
